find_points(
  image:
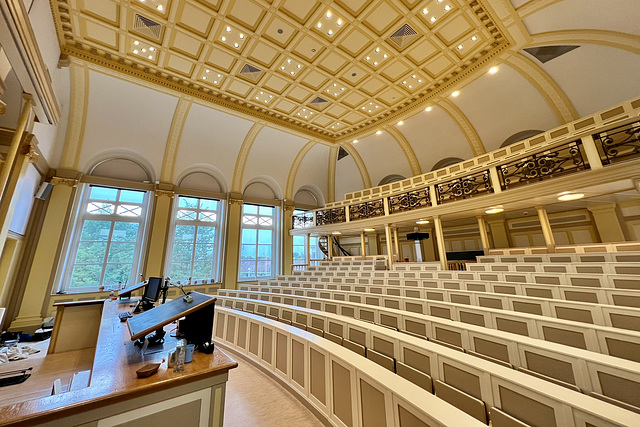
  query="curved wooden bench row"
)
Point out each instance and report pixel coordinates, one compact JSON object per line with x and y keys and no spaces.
{"x":584,"y":312}
{"x":346,"y":389}
{"x":477,"y":386}
{"x":575,"y":368}
{"x":601,"y":339}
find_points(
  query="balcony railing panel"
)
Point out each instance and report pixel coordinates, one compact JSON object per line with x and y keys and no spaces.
{"x":366,"y":210}
{"x":464,"y":188}
{"x":303,"y":220}
{"x":619,"y":144}
{"x":563,"y":160}
{"x":410,"y":200}
{"x":330,"y":216}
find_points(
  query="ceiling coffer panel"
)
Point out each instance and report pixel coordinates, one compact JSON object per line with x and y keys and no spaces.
{"x":292,"y":53}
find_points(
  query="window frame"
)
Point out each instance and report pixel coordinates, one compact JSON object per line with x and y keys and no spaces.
{"x":76,"y":227}
{"x":275,"y":241}
{"x":217,"y":243}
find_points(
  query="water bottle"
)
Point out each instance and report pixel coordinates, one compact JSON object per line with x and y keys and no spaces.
{"x":181,"y":350}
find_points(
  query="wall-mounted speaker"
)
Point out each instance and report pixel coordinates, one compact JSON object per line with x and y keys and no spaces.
{"x":44,"y":191}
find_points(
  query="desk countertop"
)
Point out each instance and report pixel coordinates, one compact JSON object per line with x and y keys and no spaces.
{"x":113,"y":377}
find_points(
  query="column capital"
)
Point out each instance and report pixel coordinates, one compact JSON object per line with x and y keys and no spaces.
{"x":69,"y":182}
{"x":165,"y":193}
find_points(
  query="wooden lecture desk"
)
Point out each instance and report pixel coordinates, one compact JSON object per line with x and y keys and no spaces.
{"x":115,"y":396}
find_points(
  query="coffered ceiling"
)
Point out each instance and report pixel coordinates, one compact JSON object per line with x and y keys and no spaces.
{"x":330,"y":70}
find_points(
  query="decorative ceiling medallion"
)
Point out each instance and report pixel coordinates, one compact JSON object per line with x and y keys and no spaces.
{"x":251,"y":73}
{"x":147,"y":26}
{"x":404,"y":36}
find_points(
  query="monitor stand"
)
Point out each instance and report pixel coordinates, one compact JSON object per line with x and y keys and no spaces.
{"x":155,"y":339}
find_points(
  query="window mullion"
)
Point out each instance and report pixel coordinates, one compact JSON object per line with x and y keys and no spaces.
{"x":106,"y":253}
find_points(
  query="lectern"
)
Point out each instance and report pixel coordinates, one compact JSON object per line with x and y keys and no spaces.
{"x":197,"y":326}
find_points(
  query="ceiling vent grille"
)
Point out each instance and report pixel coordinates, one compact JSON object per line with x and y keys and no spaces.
{"x":342,"y":153}
{"x":147,"y":26}
{"x":547,"y":53}
{"x":250,"y":72}
{"x":404,"y":36}
{"x":319,"y":103}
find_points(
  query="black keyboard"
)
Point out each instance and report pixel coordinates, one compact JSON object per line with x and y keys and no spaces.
{"x":124,"y":316}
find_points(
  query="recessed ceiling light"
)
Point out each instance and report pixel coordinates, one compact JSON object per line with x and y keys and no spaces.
{"x":319,"y":25}
{"x":427,"y":109}
{"x":136,"y":42}
{"x":456,"y":93}
{"x":339,"y":22}
{"x":493,"y":70}
{"x":135,"y":50}
{"x":144,"y":50}
{"x":377,"y":49}
{"x":336,"y":232}
{"x":459,"y":46}
{"x":152,"y":48}
{"x":328,"y":14}
{"x":330,"y":32}
{"x":433,"y":19}
{"x":159,"y":7}
{"x":447,"y":8}
{"x":425,"y":11}
{"x":566,"y":196}
{"x":355,"y":141}
{"x":422,"y":221}
{"x":375,"y":63}
{"x":224,"y":39}
{"x":236,"y":45}
{"x":385,"y":56}
{"x":474,"y":38}
{"x":228,"y":29}
{"x":150,"y":57}
{"x":400,"y":123}
{"x":494,"y":210}
{"x":378,"y":132}
{"x":369,"y":229}
{"x":241,"y":35}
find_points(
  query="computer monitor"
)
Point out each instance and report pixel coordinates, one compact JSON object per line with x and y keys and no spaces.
{"x":152,"y":291}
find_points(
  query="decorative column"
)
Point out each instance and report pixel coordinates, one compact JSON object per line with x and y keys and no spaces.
{"x":372,"y":240}
{"x":42,"y":271}
{"x":387,"y":234}
{"x":157,"y":246}
{"x":546,"y":229}
{"x":232,"y":241}
{"x":307,"y":249}
{"x":363,"y":244}
{"x":499,"y":232}
{"x":607,"y":222}
{"x":429,"y":249}
{"x":287,"y":238}
{"x":396,"y":244}
{"x":27,"y":154}
{"x":25,"y":119}
{"x":330,"y":246}
{"x":442,"y":251}
{"x":484,"y":237}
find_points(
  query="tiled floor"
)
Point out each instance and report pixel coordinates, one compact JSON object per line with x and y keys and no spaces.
{"x":253,"y":399}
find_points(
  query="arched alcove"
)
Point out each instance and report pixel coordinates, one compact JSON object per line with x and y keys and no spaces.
{"x":121,"y":168}
{"x":447,"y":161}
{"x":520,"y":136}
{"x":391,"y":178}
{"x":264,"y":188}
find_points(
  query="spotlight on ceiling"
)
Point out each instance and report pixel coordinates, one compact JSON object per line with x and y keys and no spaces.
{"x":369,"y":229}
{"x":493,"y":70}
{"x":422,"y":221}
{"x":566,"y":196}
{"x":336,"y":232}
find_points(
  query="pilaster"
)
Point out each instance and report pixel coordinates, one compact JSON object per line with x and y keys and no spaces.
{"x":161,"y":219}
{"x":607,"y":222}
